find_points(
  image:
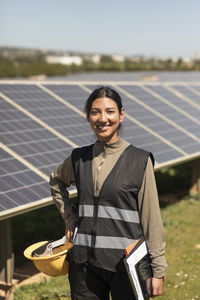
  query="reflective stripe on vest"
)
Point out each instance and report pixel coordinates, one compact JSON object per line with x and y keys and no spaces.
{"x":110,"y":213}
{"x":86,"y":210}
{"x":110,"y":242}
{"x":83,"y":239}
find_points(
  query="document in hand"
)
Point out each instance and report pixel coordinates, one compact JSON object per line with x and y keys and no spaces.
{"x":134,"y":254}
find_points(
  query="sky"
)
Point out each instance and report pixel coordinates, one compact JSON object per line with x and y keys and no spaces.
{"x":162,"y":28}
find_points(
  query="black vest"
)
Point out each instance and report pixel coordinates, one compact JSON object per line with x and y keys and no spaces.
{"x":110,"y":222}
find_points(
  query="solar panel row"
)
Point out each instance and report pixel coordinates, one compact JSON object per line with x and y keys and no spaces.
{"x":19,"y":184}
{"x":41,"y":123}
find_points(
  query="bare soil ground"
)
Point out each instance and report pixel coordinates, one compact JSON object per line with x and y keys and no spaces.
{"x":25,"y":274}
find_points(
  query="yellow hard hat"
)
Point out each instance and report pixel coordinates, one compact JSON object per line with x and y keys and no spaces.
{"x":52,"y":265}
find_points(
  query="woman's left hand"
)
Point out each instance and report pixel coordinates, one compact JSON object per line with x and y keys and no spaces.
{"x":155,"y":286}
{"x":70,"y":229}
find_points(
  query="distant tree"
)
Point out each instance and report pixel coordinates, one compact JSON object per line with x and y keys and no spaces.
{"x":106,"y":59}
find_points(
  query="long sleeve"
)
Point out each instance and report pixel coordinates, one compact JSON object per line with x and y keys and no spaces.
{"x":150,"y":218}
{"x":60,"y":179}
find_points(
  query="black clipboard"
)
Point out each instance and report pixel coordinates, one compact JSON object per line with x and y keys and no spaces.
{"x":132,"y":261}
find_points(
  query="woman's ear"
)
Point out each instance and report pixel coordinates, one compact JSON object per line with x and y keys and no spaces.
{"x":122,"y":114}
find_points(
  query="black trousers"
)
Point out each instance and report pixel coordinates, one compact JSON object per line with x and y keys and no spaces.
{"x":91,"y":283}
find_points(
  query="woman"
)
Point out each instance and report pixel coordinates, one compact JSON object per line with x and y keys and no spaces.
{"x":117,"y":204}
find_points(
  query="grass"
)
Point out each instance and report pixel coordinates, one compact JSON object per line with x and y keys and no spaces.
{"x":54,"y":289}
{"x":181,"y":222}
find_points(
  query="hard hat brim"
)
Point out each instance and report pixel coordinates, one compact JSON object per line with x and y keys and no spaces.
{"x":28,"y":251}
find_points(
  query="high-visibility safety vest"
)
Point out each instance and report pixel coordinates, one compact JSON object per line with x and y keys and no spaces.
{"x":109,"y":222}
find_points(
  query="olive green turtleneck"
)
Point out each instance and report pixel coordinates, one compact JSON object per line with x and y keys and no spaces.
{"x":105,"y":157}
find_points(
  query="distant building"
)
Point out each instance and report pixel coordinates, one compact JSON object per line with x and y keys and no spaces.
{"x":118,"y":57}
{"x":96,"y":58}
{"x":174,"y":59}
{"x":197,"y":55}
{"x":93,"y":58}
{"x":135,"y":58}
{"x":186,"y":59}
{"x":64,"y":60}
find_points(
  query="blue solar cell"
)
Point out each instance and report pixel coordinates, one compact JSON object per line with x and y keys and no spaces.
{"x":74,"y":94}
{"x":170,"y":112}
{"x":9,"y":167}
{"x":25,"y":178}
{"x":139,"y":137}
{"x":188,"y":93}
{"x":42,"y":190}
{"x":6,"y":203}
{"x":196,"y":87}
{"x":172,"y":98}
{"x":167,"y":156}
{"x":22,"y":197}
{"x":18,"y":183}
{"x":4,"y":155}
{"x":4,"y":185}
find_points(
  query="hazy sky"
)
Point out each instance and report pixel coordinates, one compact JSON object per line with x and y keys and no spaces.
{"x":148,"y":27}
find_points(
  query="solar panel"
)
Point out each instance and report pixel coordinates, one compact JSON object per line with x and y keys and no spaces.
{"x":187,"y":93}
{"x":52,"y":112}
{"x":175,"y":100}
{"x":136,"y":135}
{"x":71,"y":93}
{"x":20,"y":186}
{"x":30,"y":140}
{"x":151,"y":119}
{"x":42,"y":122}
{"x":196,"y":88}
{"x":156,"y":122}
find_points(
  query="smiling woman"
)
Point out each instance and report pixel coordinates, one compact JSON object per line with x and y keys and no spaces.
{"x":117,"y":204}
{"x":105,"y":113}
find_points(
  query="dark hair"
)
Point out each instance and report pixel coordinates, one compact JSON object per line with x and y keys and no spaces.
{"x":101,"y":92}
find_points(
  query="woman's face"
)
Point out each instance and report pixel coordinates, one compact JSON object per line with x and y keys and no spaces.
{"x":105,"y":119}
